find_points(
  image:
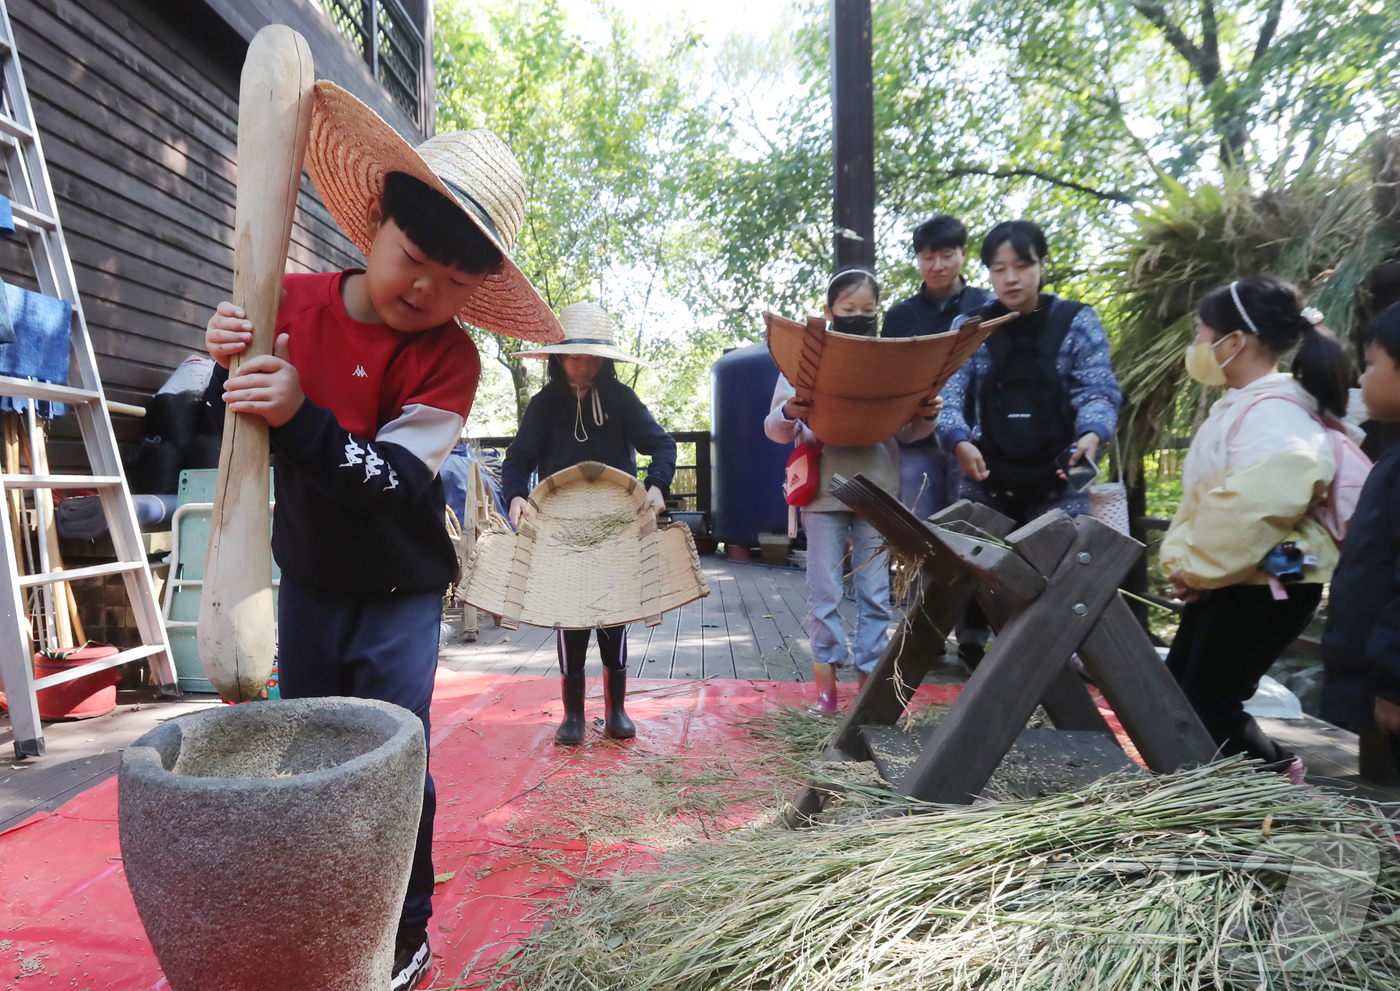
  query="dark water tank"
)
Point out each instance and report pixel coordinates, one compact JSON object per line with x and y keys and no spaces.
{"x":747,"y":468}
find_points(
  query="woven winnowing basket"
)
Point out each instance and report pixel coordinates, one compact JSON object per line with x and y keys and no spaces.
{"x":863,"y":390}
{"x":588,"y":556}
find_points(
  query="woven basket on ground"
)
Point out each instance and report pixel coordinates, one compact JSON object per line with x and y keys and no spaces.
{"x":863,"y":390}
{"x":588,"y":556}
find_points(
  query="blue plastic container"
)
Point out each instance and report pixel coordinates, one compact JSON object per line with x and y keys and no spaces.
{"x":747,"y":468}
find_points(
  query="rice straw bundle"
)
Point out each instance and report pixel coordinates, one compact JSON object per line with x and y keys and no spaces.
{"x":1212,"y":878}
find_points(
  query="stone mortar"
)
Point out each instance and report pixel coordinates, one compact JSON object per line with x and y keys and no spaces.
{"x":268,"y":845}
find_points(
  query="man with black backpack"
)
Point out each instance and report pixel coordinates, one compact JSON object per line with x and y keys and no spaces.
{"x":928,"y":477}
{"x":1037,"y":397}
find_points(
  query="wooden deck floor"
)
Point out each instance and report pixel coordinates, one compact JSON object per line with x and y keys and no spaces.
{"x":750,"y":626}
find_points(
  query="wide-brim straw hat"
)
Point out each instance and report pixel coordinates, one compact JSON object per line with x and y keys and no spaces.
{"x":863,"y":390}
{"x":352,"y":148}
{"x":587,"y":330}
{"x":589,"y":555}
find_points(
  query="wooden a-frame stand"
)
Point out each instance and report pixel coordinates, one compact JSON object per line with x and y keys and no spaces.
{"x":1051,"y":591}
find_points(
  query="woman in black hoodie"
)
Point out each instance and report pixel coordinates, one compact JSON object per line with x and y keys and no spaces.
{"x":586,"y":414}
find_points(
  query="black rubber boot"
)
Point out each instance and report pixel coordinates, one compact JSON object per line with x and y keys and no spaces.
{"x":617,"y":724}
{"x":570,"y":731}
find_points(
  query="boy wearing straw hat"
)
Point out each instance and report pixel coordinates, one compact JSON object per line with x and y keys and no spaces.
{"x":367,"y":391}
{"x":586,"y":414}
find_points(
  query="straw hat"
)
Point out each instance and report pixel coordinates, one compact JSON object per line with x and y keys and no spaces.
{"x":587,"y":330}
{"x":863,"y":390}
{"x":350,"y":151}
{"x":590,"y":555}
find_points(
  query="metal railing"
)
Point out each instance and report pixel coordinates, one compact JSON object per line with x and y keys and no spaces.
{"x":389,"y":40}
{"x":691,"y":485}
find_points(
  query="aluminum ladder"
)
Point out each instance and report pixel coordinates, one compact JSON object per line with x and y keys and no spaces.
{"x":36,"y":220}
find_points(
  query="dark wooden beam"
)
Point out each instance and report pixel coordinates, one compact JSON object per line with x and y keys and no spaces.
{"x":853,"y":133}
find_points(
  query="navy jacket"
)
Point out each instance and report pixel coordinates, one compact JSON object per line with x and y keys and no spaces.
{"x":923,"y":316}
{"x":546,"y":443}
{"x":334,"y":532}
{"x":1361,"y":645}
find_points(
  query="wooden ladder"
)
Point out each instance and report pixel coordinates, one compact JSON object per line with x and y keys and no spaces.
{"x":36,"y":220}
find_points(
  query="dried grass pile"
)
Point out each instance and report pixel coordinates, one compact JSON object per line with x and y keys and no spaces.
{"x":1222,"y":877}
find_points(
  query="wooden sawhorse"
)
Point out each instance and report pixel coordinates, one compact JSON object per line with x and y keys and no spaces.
{"x":1052,"y":589}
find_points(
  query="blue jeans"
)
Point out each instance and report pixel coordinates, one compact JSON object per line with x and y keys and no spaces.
{"x":826,"y":546}
{"x":925,"y":476}
{"x":386,"y":648}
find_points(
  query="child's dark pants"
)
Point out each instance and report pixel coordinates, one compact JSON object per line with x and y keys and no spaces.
{"x":384,"y":648}
{"x":1227,"y":641}
{"x":573,"y":649}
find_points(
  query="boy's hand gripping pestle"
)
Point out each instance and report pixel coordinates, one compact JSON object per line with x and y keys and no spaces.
{"x":275,"y":100}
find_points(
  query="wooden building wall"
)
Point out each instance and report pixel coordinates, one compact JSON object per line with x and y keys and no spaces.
{"x":136,"y":102}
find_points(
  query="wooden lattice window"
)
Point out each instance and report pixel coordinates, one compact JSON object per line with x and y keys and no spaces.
{"x":388,"y":39}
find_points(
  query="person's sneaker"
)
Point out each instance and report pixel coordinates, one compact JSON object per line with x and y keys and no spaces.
{"x":411,"y":959}
{"x":971,"y":654}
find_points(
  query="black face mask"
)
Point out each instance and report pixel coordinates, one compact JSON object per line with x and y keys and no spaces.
{"x":861,"y":326}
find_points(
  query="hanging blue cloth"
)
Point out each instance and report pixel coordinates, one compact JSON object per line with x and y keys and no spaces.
{"x":454,"y":473}
{"x":43,"y":327}
{"x":7,"y":217}
{"x":7,"y":326}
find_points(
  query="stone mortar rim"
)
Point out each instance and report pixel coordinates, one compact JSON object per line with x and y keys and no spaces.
{"x":144,"y":760}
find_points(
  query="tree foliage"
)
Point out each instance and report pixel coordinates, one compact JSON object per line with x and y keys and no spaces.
{"x":1071,"y":112}
{"x":595,"y":128}
{"x":685,"y":189}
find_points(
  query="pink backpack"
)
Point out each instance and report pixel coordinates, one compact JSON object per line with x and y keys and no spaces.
{"x":1334,"y":512}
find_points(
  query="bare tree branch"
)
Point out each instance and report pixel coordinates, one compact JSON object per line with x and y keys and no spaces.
{"x":1266,"y":33}
{"x":1185,"y":47}
{"x":1112,"y":195}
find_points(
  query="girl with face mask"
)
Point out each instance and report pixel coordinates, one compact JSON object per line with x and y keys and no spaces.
{"x":1243,"y":551}
{"x":852,"y":302}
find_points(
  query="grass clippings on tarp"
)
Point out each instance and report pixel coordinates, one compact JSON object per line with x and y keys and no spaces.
{"x":1222,"y":877}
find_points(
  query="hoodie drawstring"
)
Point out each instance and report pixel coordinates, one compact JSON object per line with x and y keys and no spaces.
{"x":578,"y":416}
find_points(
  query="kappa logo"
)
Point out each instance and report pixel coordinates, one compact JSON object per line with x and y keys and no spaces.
{"x":360,"y":372}
{"x":352,"y":454}
{"x":372,"y":463}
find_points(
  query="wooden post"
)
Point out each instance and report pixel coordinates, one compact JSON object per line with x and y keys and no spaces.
{"x":853,"y":133}
{"x":471,"y":625}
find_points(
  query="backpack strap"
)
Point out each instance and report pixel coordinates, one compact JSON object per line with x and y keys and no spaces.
{"x":1255,"y":401}
{"x":1056,"y":327}
{"x":1336,"y":441}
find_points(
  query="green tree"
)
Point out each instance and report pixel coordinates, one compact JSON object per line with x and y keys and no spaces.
{"x":1073,"y":112}
{"x":594,"y":127}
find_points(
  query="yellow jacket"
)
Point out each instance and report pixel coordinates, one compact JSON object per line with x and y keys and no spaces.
{"x":1242,"y":497}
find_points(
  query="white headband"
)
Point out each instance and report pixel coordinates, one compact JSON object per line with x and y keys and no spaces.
{"x":1235,"y":295}
{"x":847,"y":271}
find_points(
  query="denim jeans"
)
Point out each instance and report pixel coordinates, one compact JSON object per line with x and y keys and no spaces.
{"x":925,"y":476}
{"x":826,"y":546}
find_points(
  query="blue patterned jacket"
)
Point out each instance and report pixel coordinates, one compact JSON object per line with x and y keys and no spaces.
{"x":1084,"y":360}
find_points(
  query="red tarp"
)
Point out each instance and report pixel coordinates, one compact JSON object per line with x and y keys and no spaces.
{"x":67,"y":919}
